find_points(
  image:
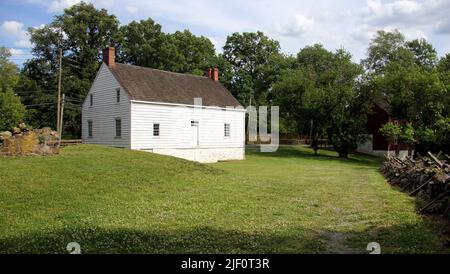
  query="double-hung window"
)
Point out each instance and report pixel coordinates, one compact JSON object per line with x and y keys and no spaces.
{"x":90,"y":129}
{"x":227,"y":130}
{"x":118,"y":127}
{"x":155,"y":130}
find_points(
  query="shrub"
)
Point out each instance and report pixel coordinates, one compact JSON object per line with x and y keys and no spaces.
{"x":12,"y":111}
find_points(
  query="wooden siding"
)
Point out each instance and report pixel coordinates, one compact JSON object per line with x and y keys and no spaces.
{"x":176,"y":130}
{"x":375,"y":121}
{"x":105,"y":111}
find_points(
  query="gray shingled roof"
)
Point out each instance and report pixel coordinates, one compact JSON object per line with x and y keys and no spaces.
{"x":152,"y":85}
{"x":383,"y":103}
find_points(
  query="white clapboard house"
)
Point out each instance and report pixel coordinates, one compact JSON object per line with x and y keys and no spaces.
{"x":158,"y":111}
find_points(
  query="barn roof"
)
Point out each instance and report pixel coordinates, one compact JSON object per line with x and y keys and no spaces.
{"x":152,"y":85}
{"x":383,"y":103}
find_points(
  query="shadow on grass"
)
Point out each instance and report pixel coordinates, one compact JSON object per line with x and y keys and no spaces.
{"x":288,"y":151}
{"x":414,"y":238}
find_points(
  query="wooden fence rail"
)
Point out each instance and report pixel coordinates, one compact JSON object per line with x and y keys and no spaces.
{"x":65,"y":143}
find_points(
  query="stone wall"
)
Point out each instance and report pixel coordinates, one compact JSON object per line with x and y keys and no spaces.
{"x":23,"y":141}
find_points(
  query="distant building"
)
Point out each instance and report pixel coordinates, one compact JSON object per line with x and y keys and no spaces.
{"x":153,"y":110}
{"x":377,"y":144}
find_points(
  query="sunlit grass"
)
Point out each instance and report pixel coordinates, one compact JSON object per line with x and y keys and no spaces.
{"x":120,"y":201}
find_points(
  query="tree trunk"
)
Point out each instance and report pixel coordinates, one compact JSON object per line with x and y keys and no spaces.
{"x":343,"y":153}
{"x":315,"y":145}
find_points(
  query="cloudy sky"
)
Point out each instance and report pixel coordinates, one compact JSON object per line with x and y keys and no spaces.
{"x":345,"y":23}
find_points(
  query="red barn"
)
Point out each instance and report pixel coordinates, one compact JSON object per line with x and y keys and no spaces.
{"x":377,"y":144}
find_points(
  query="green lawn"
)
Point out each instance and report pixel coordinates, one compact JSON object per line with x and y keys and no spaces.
{"x":120,"y":201}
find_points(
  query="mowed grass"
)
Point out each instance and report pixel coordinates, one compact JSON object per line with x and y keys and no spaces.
{"x":119,"y":201}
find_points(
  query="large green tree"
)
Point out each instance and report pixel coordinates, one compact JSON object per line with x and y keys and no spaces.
{"x":386,"y":47}
{"x":407,"y":75}
{"x":186,"y":53}
{"x":250,"y":55}
{"x":12,"y":112}
{"x":324,"y":89}
{"x":81,"y":32}
{"x":144,"y":44}
{"x":424,"y":53}
{"x":9,"y":73}
{"x":141,"y":44}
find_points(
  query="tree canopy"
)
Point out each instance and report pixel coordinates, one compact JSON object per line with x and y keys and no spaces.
{"x":410,"y":76}
{"x":323,"y":90}
{"x":12,"y":112}
{"x":251,"y":56}
{"x":315,"y":85}
{"x":9,"y":73}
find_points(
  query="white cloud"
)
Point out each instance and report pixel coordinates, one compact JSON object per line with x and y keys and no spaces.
{"x":298,"y":26}
{"x":60,"y":5}
{"x":218,"y":42}
{"x":23,"y":43}
{"x":15,"y":31}
{"x":57,"y":6}
{"x":429,"y":15}
{"x":14,"y":51}
{"x":347,"y":23}
{"x":131,"y":8}
{"x":12,"y":28}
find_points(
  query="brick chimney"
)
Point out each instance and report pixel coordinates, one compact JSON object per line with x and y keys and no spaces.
{"x":215,"y":75}
{"x":208,"y":73}
{"x":109,"y":56}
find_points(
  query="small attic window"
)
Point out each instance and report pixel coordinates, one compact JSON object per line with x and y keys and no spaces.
{"x":91,"y":99}
{"x":118,"y":95}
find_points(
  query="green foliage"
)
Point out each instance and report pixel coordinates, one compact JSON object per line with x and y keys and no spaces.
{"x":390,"y":130}
{"x":289,"y":93}
{"x":144,"y":44}
{"x":252,"y":56}
{"x":443,"y":68}
{"x":9,"y":73}
{"x":186,"y":53}
{"x":425,"y":54}
{"x":384,"y":48}
{"x":415,"y":84}
{"x":81,"y":32}
{"x":407,"y":134}
{"x":316,"y":84}
{"x":11,"y":110}
{"x":141,"y":44}
{"x":323,"y":89}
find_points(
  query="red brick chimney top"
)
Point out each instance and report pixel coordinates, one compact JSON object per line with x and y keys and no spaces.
{"x":109,"y":56}
{"x":208,"y":73}
{"x":215,"y":75}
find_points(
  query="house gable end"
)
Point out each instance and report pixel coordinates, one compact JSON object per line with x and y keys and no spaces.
{"x":104,"y":69}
